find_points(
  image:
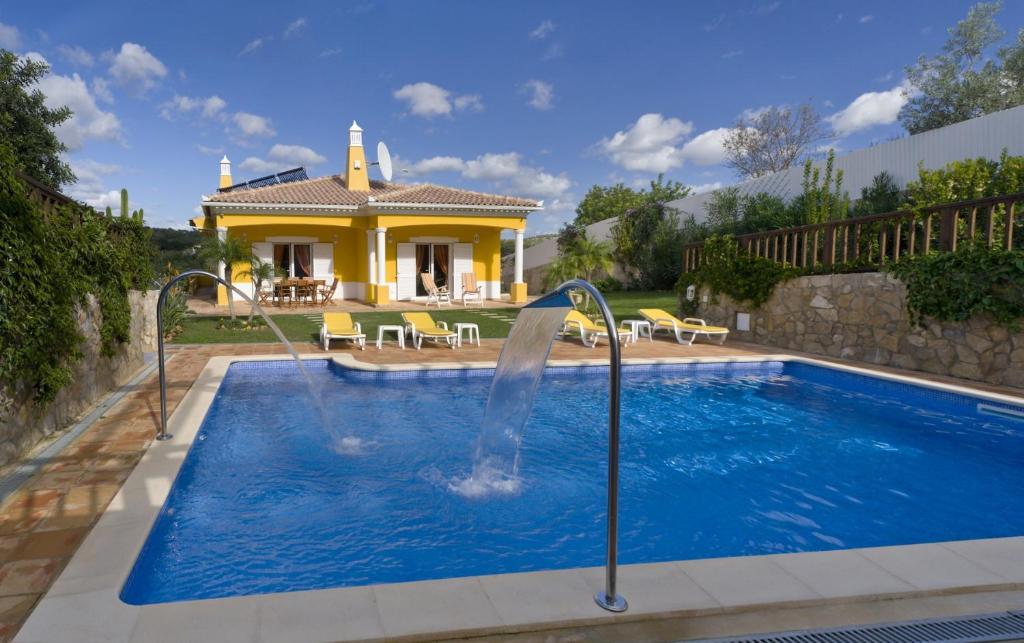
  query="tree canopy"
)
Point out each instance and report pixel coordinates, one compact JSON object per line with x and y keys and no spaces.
{"x":962,"y":82}
{"x":602,"y":202}
{"x":772,"y":140}
{"x":27,"y":124}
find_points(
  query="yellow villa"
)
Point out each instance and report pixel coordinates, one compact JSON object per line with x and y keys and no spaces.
{"x":374,"y":238}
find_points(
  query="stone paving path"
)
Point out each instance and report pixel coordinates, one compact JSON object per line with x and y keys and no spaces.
{"x":43,"y":522}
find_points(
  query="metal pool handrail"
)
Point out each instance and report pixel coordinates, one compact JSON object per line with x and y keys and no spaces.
{"x":163,"y":434}
{"x":609,"y":599}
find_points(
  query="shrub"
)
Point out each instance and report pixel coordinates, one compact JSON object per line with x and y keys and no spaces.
{"x":955,"y":286}
{"x":51,"y":262}
{"x":726,"y":270}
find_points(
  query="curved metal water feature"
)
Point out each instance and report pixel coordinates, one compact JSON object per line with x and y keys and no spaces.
{"x":609,"y":599}
{"x":558,"y":302}
{"x":163,"y":434}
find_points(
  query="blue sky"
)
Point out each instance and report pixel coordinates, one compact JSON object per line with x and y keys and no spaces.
{"x":528,"y":98}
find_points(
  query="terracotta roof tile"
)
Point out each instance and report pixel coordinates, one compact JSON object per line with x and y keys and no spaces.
{"x":331,"y":190}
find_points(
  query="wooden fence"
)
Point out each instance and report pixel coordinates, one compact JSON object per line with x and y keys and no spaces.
{"x":878,"y":239}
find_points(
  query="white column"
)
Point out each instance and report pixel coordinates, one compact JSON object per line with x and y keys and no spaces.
{"x":371,"y":253}
{"x":382,"y":274}
{"x":222,"y":234}
{"x":519,"y":257}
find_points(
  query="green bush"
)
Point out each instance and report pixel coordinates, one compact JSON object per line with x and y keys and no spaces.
{"x":726,"y":270}
{"x":51,"y":261}
{"x":955,"y":286}
{"x":609,"y":284}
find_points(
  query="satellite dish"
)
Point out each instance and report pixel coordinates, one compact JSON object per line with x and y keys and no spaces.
{"x":384,"y":160}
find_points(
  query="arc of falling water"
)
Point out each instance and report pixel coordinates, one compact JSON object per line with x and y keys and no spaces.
{"x":163,"y":434}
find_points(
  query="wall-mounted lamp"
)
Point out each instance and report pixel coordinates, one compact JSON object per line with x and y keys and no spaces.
{"x":476,"y":238}
{"x":391,"y":238}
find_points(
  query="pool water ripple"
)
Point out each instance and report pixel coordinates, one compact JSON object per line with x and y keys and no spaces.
{"x":716,"y":461}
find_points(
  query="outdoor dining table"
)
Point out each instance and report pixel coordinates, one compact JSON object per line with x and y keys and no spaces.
{"x":291,"y":284}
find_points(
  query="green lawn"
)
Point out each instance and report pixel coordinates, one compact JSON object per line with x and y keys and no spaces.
{"x":492,"y":321}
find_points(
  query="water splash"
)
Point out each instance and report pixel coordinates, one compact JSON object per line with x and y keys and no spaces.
{"x":516,"y":380}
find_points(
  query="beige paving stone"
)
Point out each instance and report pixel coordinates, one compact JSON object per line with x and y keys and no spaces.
{"x":320,"y":616}
{"x":747,"y":580}
{"x":841,"y":573}
{"x":654,"y":587}
{"x":555,"y":597}
{"x":1001,"y":556}
{"x":229,"y":620}
{"x":93,"y":617}
{"x":931,"y":567}
{"x":453,"y":604}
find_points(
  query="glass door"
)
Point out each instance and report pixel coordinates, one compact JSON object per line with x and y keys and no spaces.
{"x":435,"y":260}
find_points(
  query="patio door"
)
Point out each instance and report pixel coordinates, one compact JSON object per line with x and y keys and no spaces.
{"x":294,"y":259}
{"x":434,"y":259}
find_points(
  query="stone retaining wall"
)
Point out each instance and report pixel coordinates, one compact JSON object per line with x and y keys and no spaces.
{"x":23,"y":424}
{"x":864,"y":317}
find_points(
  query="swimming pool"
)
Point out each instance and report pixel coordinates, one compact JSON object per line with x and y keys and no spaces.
{"x":717,"y":460}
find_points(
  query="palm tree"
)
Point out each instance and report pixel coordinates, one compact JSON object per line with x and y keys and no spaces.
{"x":229,"y":250}
{"x":259,"y":271}
{"x":581,"y":260}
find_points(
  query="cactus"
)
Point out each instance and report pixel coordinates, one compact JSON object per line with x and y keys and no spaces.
{"x":124,"y":203}
{"x":136,"y":215}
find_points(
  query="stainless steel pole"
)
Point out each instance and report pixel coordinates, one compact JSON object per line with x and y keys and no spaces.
{"x":609,"y":599}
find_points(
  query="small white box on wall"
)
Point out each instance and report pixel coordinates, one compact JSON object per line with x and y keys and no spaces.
{"x":742,"y":321}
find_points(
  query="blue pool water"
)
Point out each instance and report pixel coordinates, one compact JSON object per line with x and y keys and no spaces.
{"x":717,"y":460}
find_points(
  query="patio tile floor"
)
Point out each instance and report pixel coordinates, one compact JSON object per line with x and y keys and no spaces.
{"x":43,"y":523}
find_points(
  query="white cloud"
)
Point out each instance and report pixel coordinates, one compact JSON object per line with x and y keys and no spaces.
{"x":732,"y":53}
{"x":209,"y":107}
{"x":705,"y":187}
{"x":294,"y":27}
{"x":250,"y":125}
{"x":90,"y":184}
{"x":472,"y":102}
{"x":10,"y":37}
{"x":327,"y":53}
{"x":252,"y":46}
{"x":76,"y":55}
{"x":765,"y":9}
{"x":651,"y":144}
{"x":706,"y":148}
{"x":134,"y":68}
{"x":870,"y":109}
{"x":87,"y":121}
{"x":210,"y":151}
{"x":428,"y":100}
{"x":541,"y":94}
{"x":543,"y":30}
{"x":492,"y":167}
{"x":431,"y":165}
{"x":282,"y":157}
{"x":865,"y":19}
{"x":296,"y":155}
{"x":506,"y":171}
{"x":101,"y":88}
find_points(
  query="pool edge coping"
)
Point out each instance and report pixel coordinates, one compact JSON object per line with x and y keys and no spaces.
{"x":84,"y":601}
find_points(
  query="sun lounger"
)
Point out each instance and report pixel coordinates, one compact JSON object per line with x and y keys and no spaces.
{"x":692,"y":326}
{"x":422,"y":326}
{"x":341,"y":326}
{"x":591,"y":331}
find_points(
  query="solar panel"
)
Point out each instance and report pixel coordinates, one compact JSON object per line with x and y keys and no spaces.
{"x":288,"y":176}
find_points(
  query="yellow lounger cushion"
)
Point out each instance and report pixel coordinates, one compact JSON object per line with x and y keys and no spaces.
{"x":588,"y":324}
{"x":340,"y":324}
{"x":662,"y":319}
{"x":425,"y":325}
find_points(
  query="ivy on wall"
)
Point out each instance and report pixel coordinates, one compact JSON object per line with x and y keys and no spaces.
{"x":49,"y":262}
{"x":955,"y":286}
{"x":726,"y":270}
